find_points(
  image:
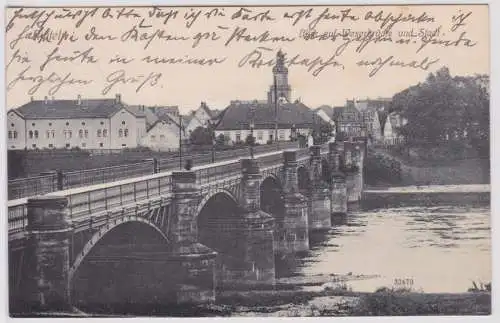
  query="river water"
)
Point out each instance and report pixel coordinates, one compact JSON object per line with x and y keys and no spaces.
{"x":433,"y":249}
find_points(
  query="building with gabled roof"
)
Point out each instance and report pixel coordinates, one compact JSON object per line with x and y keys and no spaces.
{"x":83,"y":123}
{"x":201,"y":117}
{"x":164,"y":134}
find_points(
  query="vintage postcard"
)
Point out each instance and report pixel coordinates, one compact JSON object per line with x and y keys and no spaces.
{"x":229,"y":161}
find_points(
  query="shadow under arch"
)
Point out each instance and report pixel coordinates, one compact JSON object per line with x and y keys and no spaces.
{"x":303,"y":179}
{"x":326,"y":171}
{"x":119,"y":260}
{"x":271,"y":197}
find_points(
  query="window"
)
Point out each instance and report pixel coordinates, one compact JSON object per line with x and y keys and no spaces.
{"x":120,"y":133}
{"x":80,"y":133}
{"x":67,"y":123}
{"x":67,"y":145}
{"x":31,"y":134}
{"x":36,"y":134}
{"x":124,"y":145}
{"x":153,"y":138}
{"x":50,"y":124}
{"x":281,"y":134}
{"x":48,"y":133}
{"x":238,"y":137}
{"x":33,"y":124}
{"x":34,"y":145}
{"x":271,"y":137}
{"x":84,"y":144}
{"x":126,"y":133}
{"x":259,"y":135}
{"x":86,"y":133}
{"x":12,"y":125}
{"x":53,"y":132}
{"x":105,"y":133}
{"x":83,"y":123}
{"x":10,"y":134}
{"x":15,"y":134}
{"x":123,"y":122}
{"x":101,"y":144}
{"x":51,"y":146}
{"x":99,"y":132}
{"x":102,"y":123}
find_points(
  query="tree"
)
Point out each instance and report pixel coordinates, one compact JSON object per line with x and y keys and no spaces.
{"x":250,"y":140}
{"x":201,"y":136}
{"x":445,"y":109}
{"x":221,"y":140}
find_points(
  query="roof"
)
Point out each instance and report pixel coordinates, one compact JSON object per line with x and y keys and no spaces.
{"x":74,"y":109}
{"x":170,"y":119}
{"x":238,"y":115}
{"x":172,"y":109}
{"x":347,"y":112}
{"x":326,"y":109}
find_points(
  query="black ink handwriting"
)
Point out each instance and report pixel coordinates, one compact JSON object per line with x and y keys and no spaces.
{"x":120,"y":77}
{"x":85,"y":56}
{"x":380,"y":62}
{"x":244,"y":35}
{"x":57,"y":81}
{"x":44,"y":35}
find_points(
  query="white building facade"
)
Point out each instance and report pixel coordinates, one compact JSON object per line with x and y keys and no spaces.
{"x":163,"y":135}
{"x":66,"y":124}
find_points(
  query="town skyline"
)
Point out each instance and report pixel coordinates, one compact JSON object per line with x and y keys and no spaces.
{"x":186,"y":106}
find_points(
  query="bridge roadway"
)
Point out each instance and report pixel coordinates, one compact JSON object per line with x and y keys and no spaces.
{"x":48,"y":182}
{"x":93,"y":202}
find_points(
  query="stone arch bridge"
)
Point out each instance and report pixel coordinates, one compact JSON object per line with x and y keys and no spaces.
{"x":216,"y":227}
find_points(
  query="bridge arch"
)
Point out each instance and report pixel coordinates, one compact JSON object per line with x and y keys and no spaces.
{"x":118,"y":259}
{"x":211,"y":195}
{"x":101,"y":233}
{"x":303,"y":178}
{"x":271,"y":196}
{"x":326,"y":171}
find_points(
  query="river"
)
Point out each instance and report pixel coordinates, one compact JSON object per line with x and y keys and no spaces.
{"x":433,"y":249}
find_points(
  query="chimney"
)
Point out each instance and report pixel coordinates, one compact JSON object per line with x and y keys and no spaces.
{"x":118,"y":98}
{"x":46,"y":99}
{"x":32,"y":99}
{"x":79,"y":100}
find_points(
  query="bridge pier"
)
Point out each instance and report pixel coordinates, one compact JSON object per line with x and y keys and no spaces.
{"x":354,"y":156}
{"x":47,"y":286}
{"x":292,"y":231}
{"x":338,"y":183}
{"x":256,"y":230}
{"x":193,"y":263}
{"x":319,"y":215}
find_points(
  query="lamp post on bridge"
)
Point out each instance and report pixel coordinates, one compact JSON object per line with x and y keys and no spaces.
{"x":252,"y":126}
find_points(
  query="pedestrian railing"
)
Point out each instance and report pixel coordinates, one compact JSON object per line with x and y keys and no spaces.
{"x":57,"y":181}
{"x":107,"y":197}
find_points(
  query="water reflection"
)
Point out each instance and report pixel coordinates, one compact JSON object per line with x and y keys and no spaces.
{"x":442,"y":248}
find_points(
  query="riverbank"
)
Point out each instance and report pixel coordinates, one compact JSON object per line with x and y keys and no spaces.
{"x":288,"y":299}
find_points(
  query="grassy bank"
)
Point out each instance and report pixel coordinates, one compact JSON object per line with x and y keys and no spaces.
{"x":341,"y":302}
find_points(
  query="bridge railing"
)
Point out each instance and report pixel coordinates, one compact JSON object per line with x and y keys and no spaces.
{"x":32,"y":186}
{"x":106,"y":174}
{"x":84,"y":201}
{"x":97,"y":198}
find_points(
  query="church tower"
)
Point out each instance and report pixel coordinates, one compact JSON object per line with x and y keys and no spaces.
{"x":280,"y":81}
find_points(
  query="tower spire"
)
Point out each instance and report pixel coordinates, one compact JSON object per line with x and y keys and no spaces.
{"x":280,"y":87}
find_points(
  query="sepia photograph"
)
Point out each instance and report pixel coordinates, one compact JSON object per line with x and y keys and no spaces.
{"x":248,"y":160}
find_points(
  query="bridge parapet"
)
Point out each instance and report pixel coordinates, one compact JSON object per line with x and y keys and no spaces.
{"x":102,"y":198}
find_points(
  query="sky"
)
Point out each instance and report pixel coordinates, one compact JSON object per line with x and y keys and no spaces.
{"x":186,"y":85}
